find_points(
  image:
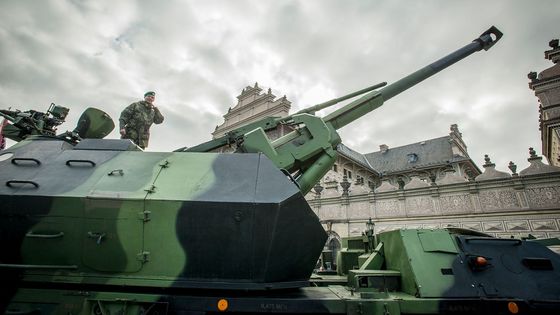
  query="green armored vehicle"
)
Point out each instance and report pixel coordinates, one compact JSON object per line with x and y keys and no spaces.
{"x":97,"y":226}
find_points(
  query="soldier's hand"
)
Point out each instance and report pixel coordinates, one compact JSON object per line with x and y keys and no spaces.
{"x":123,"y":132}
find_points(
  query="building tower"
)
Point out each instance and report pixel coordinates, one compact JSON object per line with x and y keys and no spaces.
{"x":547,"y":88}
{"x":253,"y":105}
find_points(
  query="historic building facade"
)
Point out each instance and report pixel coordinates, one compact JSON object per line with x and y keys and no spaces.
{"x":495,"y":202}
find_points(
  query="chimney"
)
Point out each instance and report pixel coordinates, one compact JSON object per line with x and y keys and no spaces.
{"x":383,"y":148}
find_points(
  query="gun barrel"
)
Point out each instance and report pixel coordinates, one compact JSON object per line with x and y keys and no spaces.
{"x":485,"y":41}
{"x":373,"y":100}
{"x":315,"y":108}
{"x":7,"y":114}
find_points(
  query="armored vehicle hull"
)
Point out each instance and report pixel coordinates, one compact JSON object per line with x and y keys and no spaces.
{"x":102,"y":212}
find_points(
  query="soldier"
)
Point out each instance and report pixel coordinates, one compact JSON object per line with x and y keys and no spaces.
{"x":2,"y":138}
{"x":136,"y":119}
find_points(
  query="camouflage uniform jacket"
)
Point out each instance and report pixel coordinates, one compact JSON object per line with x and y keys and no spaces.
{"x":136,"y":119}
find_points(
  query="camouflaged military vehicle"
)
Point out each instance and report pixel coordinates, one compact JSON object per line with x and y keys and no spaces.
{"x":97,"y":226}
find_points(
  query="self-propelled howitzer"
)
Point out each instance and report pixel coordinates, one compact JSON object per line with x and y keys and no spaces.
{"x":101,"y":215}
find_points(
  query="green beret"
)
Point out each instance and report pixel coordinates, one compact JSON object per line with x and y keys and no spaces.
{"x":151,"y":93}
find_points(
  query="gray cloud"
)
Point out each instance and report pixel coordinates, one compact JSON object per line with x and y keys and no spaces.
{"x":199,"y":55}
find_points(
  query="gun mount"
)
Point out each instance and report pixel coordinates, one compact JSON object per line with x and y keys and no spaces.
{"x":33,"y":122}
{"x":93,"y":123}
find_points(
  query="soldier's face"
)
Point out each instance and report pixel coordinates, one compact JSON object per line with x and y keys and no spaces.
{"x":150,"y":99}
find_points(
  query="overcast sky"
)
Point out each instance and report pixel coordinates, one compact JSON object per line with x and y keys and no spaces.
{"x":199,"y":55}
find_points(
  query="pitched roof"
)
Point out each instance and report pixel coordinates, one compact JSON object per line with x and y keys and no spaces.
{"x":355,"y":156}
{"x":422,"y":154}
